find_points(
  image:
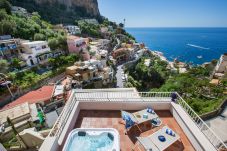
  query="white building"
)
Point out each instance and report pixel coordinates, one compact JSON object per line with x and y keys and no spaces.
{"x":140,"y":53}
{"x":35,"y":52}
{"x":221,"y":66}
{"x":20,"y":11}
{"x":73,"y":30}
{"x":103,"y":57}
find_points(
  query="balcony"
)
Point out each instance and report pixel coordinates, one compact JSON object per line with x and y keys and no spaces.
{"x":101,"y":108}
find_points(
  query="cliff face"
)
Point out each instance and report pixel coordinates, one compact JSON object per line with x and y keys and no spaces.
{"x":91,"y":6}
{"x":61,"y":11}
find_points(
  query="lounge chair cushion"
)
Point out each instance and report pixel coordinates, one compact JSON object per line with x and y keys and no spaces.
{"x":156,"y":122}
{"x":128,"y":120}
{"x":150,"y":110}
{"x":161,"y":138}
{"x":170,"y":132}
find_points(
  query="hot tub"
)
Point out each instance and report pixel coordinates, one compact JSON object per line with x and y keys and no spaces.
{"x":93,"y":139}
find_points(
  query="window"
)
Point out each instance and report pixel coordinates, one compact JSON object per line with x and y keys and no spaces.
{"x":44,"y":46}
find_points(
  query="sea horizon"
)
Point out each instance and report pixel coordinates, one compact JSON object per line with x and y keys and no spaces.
{"x":175,"y":27}
{"x":195,"y":45}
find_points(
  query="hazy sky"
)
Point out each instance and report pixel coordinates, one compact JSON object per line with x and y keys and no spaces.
{"x":166,"y":13}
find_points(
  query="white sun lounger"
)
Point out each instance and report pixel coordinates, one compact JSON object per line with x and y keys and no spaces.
{"x":137,"y":117}
{"x":152,"y":143}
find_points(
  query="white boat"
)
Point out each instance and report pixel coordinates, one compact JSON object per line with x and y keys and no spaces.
{"x":199,"y":57}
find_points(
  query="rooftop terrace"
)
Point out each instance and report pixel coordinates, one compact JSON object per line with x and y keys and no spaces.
{"x":112,"y":119}
{"x":101,"y":108}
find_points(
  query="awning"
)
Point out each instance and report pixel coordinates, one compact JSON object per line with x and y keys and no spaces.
{"x":59,"y":89}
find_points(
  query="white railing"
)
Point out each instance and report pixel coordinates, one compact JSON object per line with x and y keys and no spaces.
{"x":100,"y":96}
{"x":133,"y":96}
{"x":121,"y":96}
{"x":62,"y":119}
{"x":155,"y":94}
{"x":204,"y":128}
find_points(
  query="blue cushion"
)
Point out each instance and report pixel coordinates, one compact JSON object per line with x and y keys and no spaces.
{"x":156,"y":121}
{"x":170,"y":132}
{"x":162,"y":138}
{"x":150,"y":110}
{"x":128,"y":121}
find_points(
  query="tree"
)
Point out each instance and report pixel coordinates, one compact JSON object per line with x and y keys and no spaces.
{"x":121,"y":25}
{"x":76,"y":22}
{"x":36,"y":17}
{"x":53,"y":43}
{"x":15,"y":63}
{"x":72,"y":58}
{"x":7,"y":27}
{"x":62,"y":42}
{"x":3,"y":14}
{"x":4,"y":66}
{"x":4,"y":4}
{"x":52,"y":62}
{"x":89,"y":29}
{"x":106,"y":22}
{"x":39,"y":36}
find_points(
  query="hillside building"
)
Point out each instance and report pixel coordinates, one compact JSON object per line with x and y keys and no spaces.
{"x":35,"y":52}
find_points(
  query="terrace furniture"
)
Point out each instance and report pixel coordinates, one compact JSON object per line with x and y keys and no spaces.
{"x":152,"y":142}
{"x":156,"y":122}
{"x":138,"y":118}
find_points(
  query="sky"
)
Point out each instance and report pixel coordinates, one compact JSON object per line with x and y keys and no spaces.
{"x":166,"y":13}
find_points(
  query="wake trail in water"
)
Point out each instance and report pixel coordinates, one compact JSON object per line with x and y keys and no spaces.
{"x":196,"y":46}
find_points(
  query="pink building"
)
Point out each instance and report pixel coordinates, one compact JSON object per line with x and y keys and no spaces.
{"x":78,"y":45}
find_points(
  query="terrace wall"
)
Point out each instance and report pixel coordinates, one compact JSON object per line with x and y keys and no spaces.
{"x":194,"y":134}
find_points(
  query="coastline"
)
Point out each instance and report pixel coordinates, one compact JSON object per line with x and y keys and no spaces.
{"x":194,"y":46}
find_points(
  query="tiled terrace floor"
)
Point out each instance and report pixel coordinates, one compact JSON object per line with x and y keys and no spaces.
{"x":112,"y":119}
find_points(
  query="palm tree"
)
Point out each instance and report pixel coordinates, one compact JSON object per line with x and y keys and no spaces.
{"x":15,"y":131}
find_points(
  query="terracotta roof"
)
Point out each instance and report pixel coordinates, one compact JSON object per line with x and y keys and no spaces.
{"x":41,"y":95}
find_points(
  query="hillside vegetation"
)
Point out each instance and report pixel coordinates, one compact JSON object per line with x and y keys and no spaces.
{"x":29,"y":27}
{"x":193,"y":86}
{"x":146,"y":77}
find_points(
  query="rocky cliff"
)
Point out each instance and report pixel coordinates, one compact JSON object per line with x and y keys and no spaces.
{"x":91,"y":6}
{"x":61,"y":11}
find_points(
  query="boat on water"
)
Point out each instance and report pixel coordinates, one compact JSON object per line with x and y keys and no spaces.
{"x":199,"y":57}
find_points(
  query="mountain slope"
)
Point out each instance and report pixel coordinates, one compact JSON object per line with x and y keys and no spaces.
{"x":61,"y":11}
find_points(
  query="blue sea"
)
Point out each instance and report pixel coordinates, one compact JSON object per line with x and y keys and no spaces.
{"x":192,"y":45}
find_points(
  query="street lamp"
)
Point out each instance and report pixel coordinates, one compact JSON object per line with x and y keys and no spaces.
{"x":3,"y":78}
